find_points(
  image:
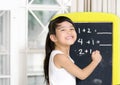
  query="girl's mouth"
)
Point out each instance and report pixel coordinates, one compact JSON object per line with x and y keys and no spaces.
{"x":69,"y":37}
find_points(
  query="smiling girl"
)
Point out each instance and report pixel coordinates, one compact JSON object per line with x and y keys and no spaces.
{"x":59,"y":68}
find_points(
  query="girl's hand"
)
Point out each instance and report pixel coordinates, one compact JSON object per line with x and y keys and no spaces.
{"x":96,"y":56}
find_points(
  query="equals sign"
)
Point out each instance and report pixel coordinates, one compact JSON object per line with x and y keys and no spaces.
{"x":101,"y":33}
{"x":105,"y":45}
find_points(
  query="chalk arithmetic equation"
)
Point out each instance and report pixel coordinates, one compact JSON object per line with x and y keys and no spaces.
{"x":92,"y":36}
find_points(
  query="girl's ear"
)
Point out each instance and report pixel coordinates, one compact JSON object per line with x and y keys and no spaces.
{"x":53,"y":38}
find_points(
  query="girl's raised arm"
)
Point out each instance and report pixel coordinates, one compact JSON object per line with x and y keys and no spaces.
{"x":61,"y":61}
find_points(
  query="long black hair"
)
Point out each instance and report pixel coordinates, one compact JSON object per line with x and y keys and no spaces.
{"x":50,"y":44}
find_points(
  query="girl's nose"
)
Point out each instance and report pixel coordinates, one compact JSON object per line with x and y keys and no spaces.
{"x":69,"y":31}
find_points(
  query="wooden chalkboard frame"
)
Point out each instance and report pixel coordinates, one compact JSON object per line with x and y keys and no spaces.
{"x":93,"y":17}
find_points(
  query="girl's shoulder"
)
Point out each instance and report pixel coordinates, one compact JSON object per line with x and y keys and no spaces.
{"x":60,"y":55}
{"x":55,"y":52}
{"x":57,"y":57}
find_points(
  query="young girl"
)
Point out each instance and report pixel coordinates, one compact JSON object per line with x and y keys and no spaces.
{"x":59,"y":68}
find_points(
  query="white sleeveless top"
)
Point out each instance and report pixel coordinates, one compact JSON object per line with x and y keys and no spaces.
{"x":59,"y":76}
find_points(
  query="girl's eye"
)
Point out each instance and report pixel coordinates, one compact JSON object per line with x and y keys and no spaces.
{"x":62,"y":30}
{"x":72,"y":29}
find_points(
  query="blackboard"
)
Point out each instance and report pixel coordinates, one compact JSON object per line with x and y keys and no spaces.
{"x":90,"y":37}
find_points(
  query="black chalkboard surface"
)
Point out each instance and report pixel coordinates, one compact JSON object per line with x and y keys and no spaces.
{"x":94,"y":36}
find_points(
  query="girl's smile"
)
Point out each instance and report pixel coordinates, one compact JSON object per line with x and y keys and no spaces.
{"x":69,"y":37}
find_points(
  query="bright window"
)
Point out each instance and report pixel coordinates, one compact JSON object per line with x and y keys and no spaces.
{"x":4,"y":48}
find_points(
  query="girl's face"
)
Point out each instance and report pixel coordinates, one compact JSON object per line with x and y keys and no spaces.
{"x":65,"y":34}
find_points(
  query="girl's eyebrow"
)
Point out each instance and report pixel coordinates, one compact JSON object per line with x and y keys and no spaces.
{"x":60,"y":27}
